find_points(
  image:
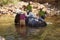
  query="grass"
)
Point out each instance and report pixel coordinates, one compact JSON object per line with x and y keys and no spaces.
{"x":51,"y":32}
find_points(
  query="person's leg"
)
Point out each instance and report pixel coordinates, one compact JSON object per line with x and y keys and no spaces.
{"x":17,"y":26}
{"x":26,"y":21}
{"x":43,"y":17}
{"x":23,"y":28}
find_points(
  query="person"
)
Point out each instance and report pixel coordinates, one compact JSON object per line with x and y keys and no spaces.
{"x":22,"y":24}
{"x":24,"y":7}
{"x":30,"y":15}
{"x":29,"y":7}
{"x":42,"y":16}
{"x":42,"y":13}
{"x":17,"y":20}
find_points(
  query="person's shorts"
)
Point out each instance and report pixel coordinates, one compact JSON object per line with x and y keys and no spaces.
{"x":22,"y":26}
{"x":22,"y":22}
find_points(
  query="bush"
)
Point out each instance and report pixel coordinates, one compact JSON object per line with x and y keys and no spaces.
{"x":4,"y":2}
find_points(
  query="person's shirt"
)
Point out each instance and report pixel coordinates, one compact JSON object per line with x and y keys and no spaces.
{"x":41,"y":13}
{"x":31,"y":14}
{"x":22,"y":16}
{"x":36,"y":20}
{"x":29,"y":7}
{"x":18,"y":11}
{"x":40,"y":19}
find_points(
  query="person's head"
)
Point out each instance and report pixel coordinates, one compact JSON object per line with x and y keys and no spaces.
{"x":37,"y":14}
{"x":29,"y":3}
{"x":18,"y":11}
{"x":41,"y":9}
{"x":20,"y":8}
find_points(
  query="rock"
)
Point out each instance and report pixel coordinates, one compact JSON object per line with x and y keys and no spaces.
{"x":2,"y":38}
{"x":49,"y":22}
{"x":36,"y":6}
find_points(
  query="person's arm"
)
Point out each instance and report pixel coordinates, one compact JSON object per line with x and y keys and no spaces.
{"x":45,"y":12}
{"x":36,"y":20}
{"x":27,"y":15}
{"x":39,"y":13}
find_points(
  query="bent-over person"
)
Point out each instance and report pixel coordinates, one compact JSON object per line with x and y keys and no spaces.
{"x":22,"y":24}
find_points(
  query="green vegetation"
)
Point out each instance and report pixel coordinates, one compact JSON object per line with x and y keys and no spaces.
{"x":4,"y":2}
{"x":29,"y":7}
